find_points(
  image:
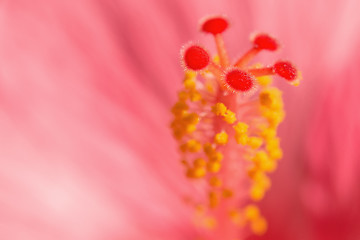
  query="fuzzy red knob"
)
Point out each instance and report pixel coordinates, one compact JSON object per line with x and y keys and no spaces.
{"x":214,"y":25}
{"x":196,"y":57}
{"x":240,"y":80}
{"x":265,"y":42}
{"x":286,"y":70}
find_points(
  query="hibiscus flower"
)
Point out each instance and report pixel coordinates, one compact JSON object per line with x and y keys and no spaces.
{"x":86,"y":91}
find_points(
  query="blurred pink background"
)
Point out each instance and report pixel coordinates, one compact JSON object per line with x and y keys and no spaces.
{"x":85,"y":93}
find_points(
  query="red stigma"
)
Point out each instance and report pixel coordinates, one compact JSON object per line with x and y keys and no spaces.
{"x":265,"y":42}
{"x":214,"y":25}
{"x":196,"y":58}
{"x":286,"y":70}
{"x":239,"y":80}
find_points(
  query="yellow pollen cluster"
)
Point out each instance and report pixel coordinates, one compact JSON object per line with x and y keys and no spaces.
{"x":185,"y":122}
{"x":272,"y":106}
{"x":221,"y":110}
{"x":221,"y":138}
{"x":185,"y":130}
{"x":214,"y":158}
{"x":191,"y":145}
{"x":266,"y":144}
{"x":207,"y":131}
{"x":241,"y":133}
{"x":251,"y":215}
{"x":264,"y":81}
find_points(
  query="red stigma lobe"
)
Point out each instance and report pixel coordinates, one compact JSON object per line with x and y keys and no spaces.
{"x":196,"y":58}
{"x":265,"y":42}
{"x":214,"y":25}
{"x":286,"y":70}
{"x":239,"y":80}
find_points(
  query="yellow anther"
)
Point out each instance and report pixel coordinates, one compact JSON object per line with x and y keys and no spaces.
{"x":179,"y":108}
{"x":189,"y":84}
{"x":255,"y":142}
{"x":199,"y":162}
{"x":191,"y":118}
{"x":259,"y":226}
{"x":264,"y":81}
{"x":262,"y":181}
{"x":227,"y":193}
{"x":257,"y":192}
{"x":213,"y":167}
{"x":242,"y":138}
{"x":268,"y":133}
{"x":263,"y":162}
{"x":260,"y":157}
{"x":183,"y":96}
{"x":265,"y":112}
{"x":274,"y":118}
{"x":273,"y":148}
{"x":275,"y":153}
{"x":277,"y":104}
{"x":190,"y":74}
{"x":273,"y":143}
{"x":275,"y":92}
{"x":269,"y":166}
{"x":190,"y":128}
{"x":197,"y":172}
{"x":195,"y":96}
{"x":221,"y":138}
{"x":271,"y":99}
{"x":215,"y":181}
{"x":251,"y":212}
{"x":219,"y":109}
{"x":265,"y":99}
{"x":209,"y":149}
{"x":213,"y":199}
{"x":241,"y":128}
{"x":229,"y":117}
{"x":216,"y":156}
{"x":192,"y":146}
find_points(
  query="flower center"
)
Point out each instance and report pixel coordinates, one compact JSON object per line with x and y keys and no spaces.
{"x":227,"y":132}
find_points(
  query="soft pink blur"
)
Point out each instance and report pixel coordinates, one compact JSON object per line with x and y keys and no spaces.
{"x":85,"y":92}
